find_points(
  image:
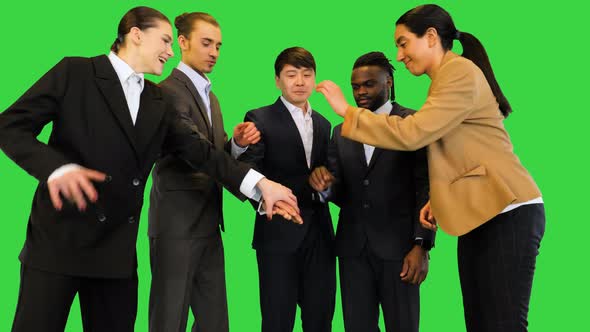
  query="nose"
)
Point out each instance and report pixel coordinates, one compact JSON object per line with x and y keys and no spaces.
{"x":214,"y":52}
{"x":169,"y":51}
{"x":400,"y":55}
{"x":361,"y":91}
{"x":299,"y":80}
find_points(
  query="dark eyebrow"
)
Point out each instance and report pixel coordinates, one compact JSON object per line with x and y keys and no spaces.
{"x":207,"y":39}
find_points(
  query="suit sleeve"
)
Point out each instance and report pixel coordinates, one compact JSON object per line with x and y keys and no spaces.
{"x":449,"y":102}
{"x":185,"y":141}
{"x":334,"y":166}
{"x":22,"y":122}
{"x":254,"y":155}
{"x":422,"y":189}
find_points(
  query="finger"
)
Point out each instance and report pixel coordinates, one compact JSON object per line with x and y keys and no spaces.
{"x":410,"y":276}
{"x":280,"y":205}
{"x":76,"y":195}
{"x":54,"y":195}
{"x":88,"y":189}
{"x":405,"y":267}
{"x":94,"y":175}
{"x":268,"y":208}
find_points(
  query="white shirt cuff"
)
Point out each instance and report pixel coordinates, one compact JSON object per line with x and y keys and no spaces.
{"x":63,"y":170}
{"x":236,"y":150}
{"x":248,"y":185}
{"x":260,"y":210}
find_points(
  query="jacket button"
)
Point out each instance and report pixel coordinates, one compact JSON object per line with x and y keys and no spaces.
{"x":136,"y":182}
{"x":102,"y":218}
{"x":131,"y":219}
{"x":366,"y":205}
{"x":365,"y":182}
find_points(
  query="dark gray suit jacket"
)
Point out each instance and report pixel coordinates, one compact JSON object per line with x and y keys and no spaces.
{"x":185,"y":203}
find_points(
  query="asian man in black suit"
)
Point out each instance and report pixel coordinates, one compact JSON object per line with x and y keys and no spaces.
{"x":381,"y":247}
{"x":296,"y":262}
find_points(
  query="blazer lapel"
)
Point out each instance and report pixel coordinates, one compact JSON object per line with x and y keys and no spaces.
{"x":290,"y":127}
{"x":217,"y":123}
{"x":109,"y":85}
{"x":151,"y":111}
{"x":179,"y":75}
{"x":316,"y":140}
{"x":378,"y":151}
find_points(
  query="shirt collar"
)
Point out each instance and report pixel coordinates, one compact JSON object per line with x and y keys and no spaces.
{"x":200,"y":82}
{"x":294,"y":109}
{"x":385,"y":108}
{"x":123,"y":69}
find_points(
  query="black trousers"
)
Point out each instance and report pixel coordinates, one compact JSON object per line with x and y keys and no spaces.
{"x":306,"y":277}
{"x":367,"y":281}
{"x":45,"y":298}
{"x":496,"y":267}
{"x":188,"y":273}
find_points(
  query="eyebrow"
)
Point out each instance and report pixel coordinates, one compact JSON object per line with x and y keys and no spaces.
{"x":397,"y":41}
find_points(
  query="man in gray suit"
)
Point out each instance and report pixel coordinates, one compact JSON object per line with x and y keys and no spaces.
{"x":185,"y":216}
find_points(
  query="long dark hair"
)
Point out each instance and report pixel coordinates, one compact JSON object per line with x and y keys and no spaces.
{"x":419,"y":19}
{"x":141,"y":17}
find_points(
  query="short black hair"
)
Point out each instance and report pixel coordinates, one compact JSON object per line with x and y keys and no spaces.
{"x":380,"y":60}
{"x":295,"y":56}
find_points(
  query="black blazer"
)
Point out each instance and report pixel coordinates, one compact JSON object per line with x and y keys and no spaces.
{"x":379,"y":202}
{"x":185,"y":203}
{"x":280,"y":156}
{"x":92,"y":127}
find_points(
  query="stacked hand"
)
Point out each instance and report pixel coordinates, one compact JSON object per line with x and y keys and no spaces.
{"x":280,"y":200}
{"x":76,"y":186}
{"x":334,"y":96}
{"x":246,"y":133}
{"x":321,"y":179}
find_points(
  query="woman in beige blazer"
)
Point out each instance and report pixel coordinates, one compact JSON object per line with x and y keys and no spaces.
{"x":479,"y":189}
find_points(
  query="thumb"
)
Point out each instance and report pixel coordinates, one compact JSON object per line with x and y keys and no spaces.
{"x":405,"y":268}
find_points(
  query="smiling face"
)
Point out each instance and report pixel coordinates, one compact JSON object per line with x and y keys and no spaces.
{"x":154,"y":47}
{"x":370,"y":86}
{"x":296,"y":84}
{"x":415,"y":52}
{"x":201,"y":49}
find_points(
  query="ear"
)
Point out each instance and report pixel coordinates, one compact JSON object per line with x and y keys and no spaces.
{"x":183,"y":43}
{"x":135,"y":35}
{"x":277,"y":82}
{"x":389,"y":82}
{"x":432,"y":37}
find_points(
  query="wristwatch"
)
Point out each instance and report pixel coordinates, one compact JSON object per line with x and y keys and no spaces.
{"x":425,"y":244}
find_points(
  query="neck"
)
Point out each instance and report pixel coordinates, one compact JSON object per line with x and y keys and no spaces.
{"x":439,"y":54}
{"x":195,"y":69}
{"x":131,"y":58}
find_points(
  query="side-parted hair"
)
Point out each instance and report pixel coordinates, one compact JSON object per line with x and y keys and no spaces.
{"x":141,"y":17}
{"x":185,"y":22}
{"x":419,"y":19}
{"x":380,"y":60}
{"x":297,"y":57}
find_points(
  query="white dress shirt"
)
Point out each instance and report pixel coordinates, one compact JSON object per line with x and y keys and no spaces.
{"x":369,"y":149}
{"x":304,"y":124}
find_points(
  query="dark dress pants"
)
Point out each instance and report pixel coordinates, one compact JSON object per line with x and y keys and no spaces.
{"x":45,"y":298}
{"x":306,"y":277}
{"x":188,"y":273}
{"x":496,"y":268}
{"x":367,"y":281}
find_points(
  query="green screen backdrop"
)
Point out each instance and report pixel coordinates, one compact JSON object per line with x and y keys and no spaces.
{"x":538,"y":52}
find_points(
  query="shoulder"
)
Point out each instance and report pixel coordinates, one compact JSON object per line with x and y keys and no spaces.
{"x":402,"y":111}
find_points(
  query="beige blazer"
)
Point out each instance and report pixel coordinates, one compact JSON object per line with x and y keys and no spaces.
{"x":474,"y":173}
